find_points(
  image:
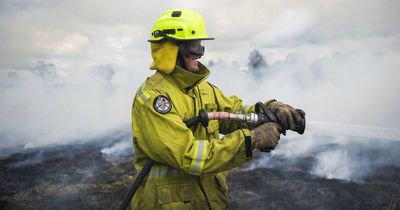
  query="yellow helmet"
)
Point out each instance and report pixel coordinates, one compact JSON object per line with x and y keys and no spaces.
{"x":179,"y":24}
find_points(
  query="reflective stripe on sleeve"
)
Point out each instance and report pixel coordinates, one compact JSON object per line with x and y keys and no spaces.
{"x":142,"y":95}
{"x":199,"y":156}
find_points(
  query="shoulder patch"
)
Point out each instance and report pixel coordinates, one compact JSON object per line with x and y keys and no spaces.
{"x":162,"y":104}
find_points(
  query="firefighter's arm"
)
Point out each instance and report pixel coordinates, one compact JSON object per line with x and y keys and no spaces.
{"x":232,"y":104}
{"x":167,"y":140}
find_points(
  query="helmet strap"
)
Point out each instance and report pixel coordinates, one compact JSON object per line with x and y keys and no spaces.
{"x":180,"y":60}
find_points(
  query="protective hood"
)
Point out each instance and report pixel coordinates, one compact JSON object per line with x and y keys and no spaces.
{"x":164,"y":56}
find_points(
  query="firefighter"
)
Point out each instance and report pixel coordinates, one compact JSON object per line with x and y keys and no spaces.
{"x":191,"y":164}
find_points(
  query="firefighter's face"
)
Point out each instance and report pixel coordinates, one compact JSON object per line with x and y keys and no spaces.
{"x":191,"y":63}
{"x":192,"y":51}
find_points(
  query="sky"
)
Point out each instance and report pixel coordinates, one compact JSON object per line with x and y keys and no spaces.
{"x":69,"y":69}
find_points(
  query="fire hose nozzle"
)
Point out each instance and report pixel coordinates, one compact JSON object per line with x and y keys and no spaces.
{"x":252,"y":118}
{"x":262,"y":115}
{"x":265,"y":115}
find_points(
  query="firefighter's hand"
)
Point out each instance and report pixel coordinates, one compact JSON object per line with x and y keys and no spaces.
{"x":287,"y":116}
{"x":266,"y":136}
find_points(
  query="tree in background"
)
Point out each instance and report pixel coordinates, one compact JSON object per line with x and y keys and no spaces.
{"x":257,"y":64}
{"x":47,"y":71}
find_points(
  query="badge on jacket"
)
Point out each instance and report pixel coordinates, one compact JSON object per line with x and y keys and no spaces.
{"x":162,"y":104}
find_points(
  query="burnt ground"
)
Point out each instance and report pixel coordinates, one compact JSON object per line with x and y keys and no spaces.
{"x":81,"y":177}
{"x":298,"y":190}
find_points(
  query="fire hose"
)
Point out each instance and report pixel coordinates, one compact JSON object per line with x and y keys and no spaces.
{"x":262,"y":115}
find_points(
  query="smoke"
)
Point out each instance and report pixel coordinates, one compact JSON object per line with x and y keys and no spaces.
{"x":339,"y":156}
{"x":352,"y":88}
{"x":118,"y":150}
{"x":38,"y":110}
{"x":355,"y":89}
{"x":35,"y":159}
{"x":68,"y":72}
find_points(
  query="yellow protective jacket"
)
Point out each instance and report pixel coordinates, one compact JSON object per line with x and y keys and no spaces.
{"x":191,"y":163}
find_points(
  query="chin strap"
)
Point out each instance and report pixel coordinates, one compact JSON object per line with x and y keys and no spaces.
{"x":180,"y":60}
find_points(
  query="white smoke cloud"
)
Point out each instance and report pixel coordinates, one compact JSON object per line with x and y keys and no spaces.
{"x":37,"y":112}
{"x":353,"y":88}
{"x":119,"y":149}
{"x":335,"y":152}
{"x":336,"y":164}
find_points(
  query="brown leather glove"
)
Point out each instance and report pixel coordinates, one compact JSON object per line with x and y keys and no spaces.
{"x":266,"y":136}
{"x":287,"y":116}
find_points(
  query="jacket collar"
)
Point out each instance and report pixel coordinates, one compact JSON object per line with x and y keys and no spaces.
{"x":186,"y":80}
